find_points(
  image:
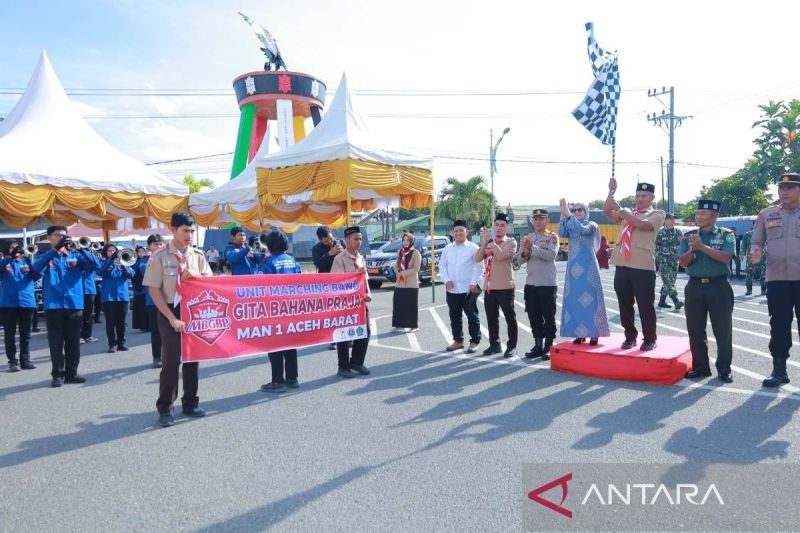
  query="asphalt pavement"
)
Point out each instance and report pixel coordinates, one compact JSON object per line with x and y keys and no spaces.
{"x":431,"y":441}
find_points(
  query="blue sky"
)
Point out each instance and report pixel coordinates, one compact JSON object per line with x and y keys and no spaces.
{"x":722,"y":63}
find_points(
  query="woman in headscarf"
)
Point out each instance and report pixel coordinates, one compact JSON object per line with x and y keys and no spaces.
{"x":584,"y":311}
{"x":406,"y":288}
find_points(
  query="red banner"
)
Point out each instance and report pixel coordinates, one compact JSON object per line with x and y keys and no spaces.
{"x":234,"y":316}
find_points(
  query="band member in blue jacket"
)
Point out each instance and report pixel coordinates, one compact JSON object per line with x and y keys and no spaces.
{"x":240,"y":257}
{"x":138,"y":311}
{"x":114,"y":295}
{"x":62,"y":269}
{"x":279,"y":262}
{"x":89,"y":294}
{"x":17,"y":305}
{"x":154,"y":243}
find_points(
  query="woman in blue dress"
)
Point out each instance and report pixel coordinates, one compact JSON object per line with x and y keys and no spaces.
{"x":584,"y":311}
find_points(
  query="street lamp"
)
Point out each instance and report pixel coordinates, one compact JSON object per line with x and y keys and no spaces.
{"x":493,"y":160}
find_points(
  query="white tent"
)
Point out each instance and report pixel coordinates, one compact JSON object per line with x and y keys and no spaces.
{"x":53,"y":164}
{"x":235,"y":201}
{"x":342,"y":159}
{"x":341,"y":137}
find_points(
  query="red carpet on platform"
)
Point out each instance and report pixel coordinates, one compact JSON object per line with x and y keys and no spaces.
{"x":667,"y":364}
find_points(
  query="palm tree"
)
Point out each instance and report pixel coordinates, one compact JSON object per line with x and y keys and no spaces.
{"x":196,"y":184}
{"x":467,"y":200}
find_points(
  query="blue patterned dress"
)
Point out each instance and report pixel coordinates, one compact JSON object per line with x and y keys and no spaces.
{"x":584,"y":311}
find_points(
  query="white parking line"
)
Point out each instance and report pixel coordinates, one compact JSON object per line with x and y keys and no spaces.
{"x":537,"y":367}
{"x":413,"y":342}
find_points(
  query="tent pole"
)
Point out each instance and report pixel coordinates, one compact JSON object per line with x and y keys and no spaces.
{"x":348,"y":218}
{"x":433,"y":252}
{"x":106,"y":235}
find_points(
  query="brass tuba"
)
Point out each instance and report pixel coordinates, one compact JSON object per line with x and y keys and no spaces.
{"x":85,"y":242}
{"x":127,"y":257}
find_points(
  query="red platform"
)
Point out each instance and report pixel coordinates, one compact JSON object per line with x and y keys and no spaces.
{"x":667,"y":364}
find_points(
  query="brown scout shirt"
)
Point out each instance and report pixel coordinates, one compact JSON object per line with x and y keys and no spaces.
{"x":411,"y":271}
{"x":778,"y":229}
{"x":502,"y":276}
{"x":643,"y":243}
{"x":347,"y":262}
{"x":162,"y":269}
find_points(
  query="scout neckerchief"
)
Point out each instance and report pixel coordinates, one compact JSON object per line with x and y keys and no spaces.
{"x":489,"y":260}
{"x":627,"y":232}
{"x":181,"y":258}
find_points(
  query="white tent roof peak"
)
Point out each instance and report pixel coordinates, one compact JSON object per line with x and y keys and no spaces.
{"x":343,"y":134}
{"x":45,"y":141}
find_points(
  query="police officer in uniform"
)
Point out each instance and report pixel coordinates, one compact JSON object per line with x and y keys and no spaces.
{"x":668,"y":240}
{"x":706,"y":253}
{"x":539,"y":250}
{"x":778,"y":228}
{"x":758,"y":270}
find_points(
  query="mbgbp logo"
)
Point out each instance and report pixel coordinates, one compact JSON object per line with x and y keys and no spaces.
{"x":563,"y":482}
{"x":208,"y":316}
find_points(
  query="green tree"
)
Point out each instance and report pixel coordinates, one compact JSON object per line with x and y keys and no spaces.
{"x":466,"y":200}
{"x":777,"y":146}
{"x":597,"y":204}
{"x":629,"y":202}
{"x":739,"y":195}
{"x":196,"y":184}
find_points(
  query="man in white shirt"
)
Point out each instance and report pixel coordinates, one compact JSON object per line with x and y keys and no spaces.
{"x":213,"y":258}
{"x":461,"y":274}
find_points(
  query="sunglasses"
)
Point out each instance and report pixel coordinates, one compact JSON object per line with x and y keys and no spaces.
{"x":576,"y":210}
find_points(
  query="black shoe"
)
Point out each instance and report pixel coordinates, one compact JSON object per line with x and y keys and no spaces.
{"x":27,"y":365}
{"x":593,"y":341}
{"x":763,"y":293}
{"x":694,"y":374}
{"x":193,"y":411}
{"x":726,"y":377}
{"x":77,"y":378}
{"x":578,"y":340}
{"x":534,"y":352}
{"x":57,"y":382}
{"x":166,"y":420}
{"x":157,"y":363}
{"x":122,"y":348}
{"x":361,"y":369}
{"x":492,"y":349}
{"x":292,"y":383}
{"x":678,"y":303}
{"x":548,"y":343}
{"x":647,"y":346}
{"x":36,"y":330}
{"x":510,"y":352}
{"x":273,"y":387}
{"x":662,"y":303}
{"x":112,"y":349}
{"x":13,"y":366}
{"x":775,"y":379}
{"x":628,"y":344}
{"x":748,"y":292}
{"x":346,"y":373}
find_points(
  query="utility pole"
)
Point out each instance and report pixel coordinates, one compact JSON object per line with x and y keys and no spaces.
{"x":671,"y":121}
{"x":663,"y":198}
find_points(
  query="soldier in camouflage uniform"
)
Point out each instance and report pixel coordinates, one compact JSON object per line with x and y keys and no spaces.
{"x":758,"y":270}
{"x":667,"y":242}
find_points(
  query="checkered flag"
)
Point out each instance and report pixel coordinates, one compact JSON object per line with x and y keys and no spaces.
{"x":598,"y":110}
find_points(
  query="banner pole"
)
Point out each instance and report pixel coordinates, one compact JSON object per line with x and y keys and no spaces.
{"x":614,"y":160}
{"x":433,"y":251}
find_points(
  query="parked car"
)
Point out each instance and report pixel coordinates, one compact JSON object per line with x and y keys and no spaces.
{"x":376,"y":246}
{"x":380,"y":266}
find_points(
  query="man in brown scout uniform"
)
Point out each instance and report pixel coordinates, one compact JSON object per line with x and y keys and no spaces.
{"x":167,"y":267}
{"x":497,"y":254}
{"x":349,"y":260}
{"x":634,"y":257}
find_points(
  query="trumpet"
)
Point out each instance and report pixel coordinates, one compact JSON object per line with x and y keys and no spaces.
{"x":85,"y":242}
{"x":30,"y":250}
{"x":258,"y":247}
{"x":262,"y":238}
{"x":126,"y":257}
{"x":96,"y":246}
